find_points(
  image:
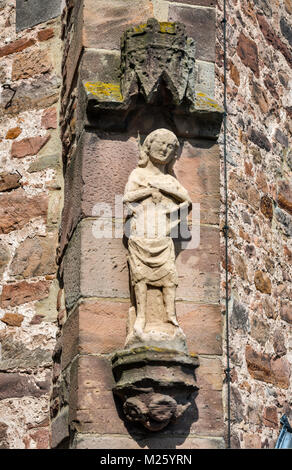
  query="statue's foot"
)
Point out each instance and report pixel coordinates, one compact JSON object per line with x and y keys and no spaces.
{"x":139,"y":326}
{"x":172,"y":319}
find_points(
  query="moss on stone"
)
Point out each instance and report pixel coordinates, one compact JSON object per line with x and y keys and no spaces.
{"x":104,"y":91}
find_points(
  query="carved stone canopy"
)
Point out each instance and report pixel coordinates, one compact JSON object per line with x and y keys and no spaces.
{"x":156,"y":87}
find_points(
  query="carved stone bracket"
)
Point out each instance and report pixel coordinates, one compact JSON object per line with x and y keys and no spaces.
{"x":158,"y":79}
{"x":155,"y":385}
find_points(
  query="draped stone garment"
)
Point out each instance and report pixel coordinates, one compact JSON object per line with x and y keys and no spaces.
{"x":152,"y":260}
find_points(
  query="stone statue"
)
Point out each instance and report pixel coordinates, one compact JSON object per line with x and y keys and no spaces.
{"x":156,"y":202}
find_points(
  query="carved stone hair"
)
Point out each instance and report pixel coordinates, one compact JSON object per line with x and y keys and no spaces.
{"x":145,"y":148}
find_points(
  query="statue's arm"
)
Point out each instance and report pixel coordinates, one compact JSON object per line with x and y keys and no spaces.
{"x":177,"y":191}
{"x":137,"y":195}
{"x":135,"y":191}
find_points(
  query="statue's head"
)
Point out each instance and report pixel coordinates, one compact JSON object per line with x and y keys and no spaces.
{"x":161,"y":146}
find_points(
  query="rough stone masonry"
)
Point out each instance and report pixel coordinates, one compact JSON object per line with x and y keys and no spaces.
{"x":45,"y":56}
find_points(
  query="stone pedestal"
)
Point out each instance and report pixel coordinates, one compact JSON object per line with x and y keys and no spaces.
{"x":154,"y":384}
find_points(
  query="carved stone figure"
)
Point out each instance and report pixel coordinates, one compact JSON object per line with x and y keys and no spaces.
{"x":155,"y":200}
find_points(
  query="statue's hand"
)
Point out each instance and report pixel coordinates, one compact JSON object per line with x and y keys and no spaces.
{"x":156,"y":196}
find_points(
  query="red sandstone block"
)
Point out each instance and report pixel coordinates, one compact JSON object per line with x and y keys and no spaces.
{"x":45,"y":34}
{"x":262,"y":366}
{"x":200,"y":25}
{"x":28,"y":146}
{"x":210,"y":373}
{"x":94,"y":328}
{"x":16,"y":46}
{"x":198,"y":269}
{"x":91,"y":402}
{"x":16,"y":210}
{"x":284,"y":196}
{"x":98,"y":172}
{"x":198,"y":170}
{"x":23,"y":292}
{"x":248,"y":52}
{"x":203,"y":327}
{"x":103,"y":31}
{"x":49,"y":118}
{"x":94,"y":267}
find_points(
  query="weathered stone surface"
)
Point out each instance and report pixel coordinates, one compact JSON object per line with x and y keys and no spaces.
{"x":259,"y":139}
{"x":35,"y":257}
{"x":252,"y":441}
{"x":284,"y":197}
{"x":203,"y":3}
{"x":210,"y":373}
{"x":4,"y":257}
{"x":239,"y":317}
{"x":13,"y":133}
{"x":92,"y":406}
{"x":288,"y":6}
{"x":45,"y":34}
{"x":285,"y":220}
{"x":260,"y":330}
{"x":103,"y":258}
{"x":9,"y":181}
{"x":267,"y":207}
{"x":264,"y":6}
{"x":200,"y":25}
{"x":262,"y":282}
{"x":262,"y":367}
{"x":198,"y":269}
{"x":198,"y":170}
{"x":90,"y":441}
{"x":286,"y":30}
{"x":95,"y":328}
{"x":202,"y":326}
{"x":108,"y":160}
{"x":32,"y":12}
{"x":248,"y":52}
{"x":16,"y":210}
{"x":12,"y":319}
{"x":15,"y":355}
{"x":41,"y":438}
{"x":60,"y":428}
{"x":279,"y":343}
{"x":4,"y":439}
{"x":37,"y":93}
{"x":270,"y":417}
{"x":28,"y":146}
{"x":286,"y":311}
{"x":43,"y":162}
{"x":23,"y":292}
{"x":281,"y":138}
{"x":104,"y":31}
{"x":14,"y":385}
{"x":49,"y":118}
{"x":234,"y":74}
{"x":16,"y":46}
{"x":46,"y":310}
{"x":273,"y":39}
{"x":30,"y":63}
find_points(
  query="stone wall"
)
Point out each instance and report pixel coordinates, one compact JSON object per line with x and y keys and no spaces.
{"x":31,"y":194}
{"x":259,"y":61}
{"x":94,"y":271}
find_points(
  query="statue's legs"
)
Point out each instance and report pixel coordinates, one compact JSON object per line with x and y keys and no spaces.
{"x":141,"y":304}
{"x":169,"y":302}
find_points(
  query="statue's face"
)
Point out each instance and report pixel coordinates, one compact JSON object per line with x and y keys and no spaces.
{"x":163,"y":148}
